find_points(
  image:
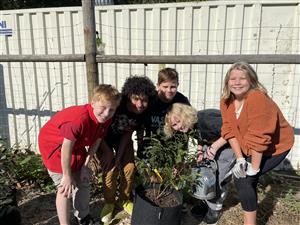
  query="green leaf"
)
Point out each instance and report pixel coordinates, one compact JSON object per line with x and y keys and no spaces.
{"x":98,"y":41}
{"x":26,"y":160}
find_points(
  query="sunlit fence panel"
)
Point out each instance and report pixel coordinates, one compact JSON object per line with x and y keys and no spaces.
{"x":31,"y":92}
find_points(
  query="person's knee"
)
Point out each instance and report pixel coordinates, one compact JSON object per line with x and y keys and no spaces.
{"x":247,"y":194}
{"x":249,"y":206}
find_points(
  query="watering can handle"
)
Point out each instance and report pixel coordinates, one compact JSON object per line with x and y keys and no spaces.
{"x":204,"y":150}
{"x":205,"y":159}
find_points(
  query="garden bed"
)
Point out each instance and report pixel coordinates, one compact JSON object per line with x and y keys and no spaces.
{"x":279,"y":204}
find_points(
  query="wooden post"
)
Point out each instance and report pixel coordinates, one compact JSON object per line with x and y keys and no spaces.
{"x":89,"y":30}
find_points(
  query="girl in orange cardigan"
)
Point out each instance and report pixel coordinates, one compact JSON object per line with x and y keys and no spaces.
{"x":257,"y":131}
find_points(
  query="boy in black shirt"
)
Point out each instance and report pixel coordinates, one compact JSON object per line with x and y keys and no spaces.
{"x":167,"y":94}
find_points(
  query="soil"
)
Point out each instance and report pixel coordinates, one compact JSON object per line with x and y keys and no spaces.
{"x":279,"y":204}
{"x":160,"y":199}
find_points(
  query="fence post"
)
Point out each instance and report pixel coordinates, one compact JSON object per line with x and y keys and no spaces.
{"x":89,"y":30}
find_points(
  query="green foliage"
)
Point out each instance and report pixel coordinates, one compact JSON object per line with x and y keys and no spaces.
{"x":291,"y":202}
{"x":275,"y":187}
{"x":168,"y":163}
{"x":22,"y":167}
{"x":96,"y":183}
{"x":98,"y":39}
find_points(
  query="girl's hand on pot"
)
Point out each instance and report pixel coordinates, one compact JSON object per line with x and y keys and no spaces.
{"x":211,"y":152}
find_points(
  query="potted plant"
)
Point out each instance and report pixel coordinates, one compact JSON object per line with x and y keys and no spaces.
{"x":99,"y":44}
{"x":163,"y":173}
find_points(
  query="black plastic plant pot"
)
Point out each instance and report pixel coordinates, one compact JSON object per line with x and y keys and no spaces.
{"x":146,"y":213}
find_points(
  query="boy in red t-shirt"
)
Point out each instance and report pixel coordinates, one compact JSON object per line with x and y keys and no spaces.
{"x":68,"y":141}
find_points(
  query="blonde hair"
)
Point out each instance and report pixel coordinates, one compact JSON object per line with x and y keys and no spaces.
{"x":187,"y":114}
{"x":107,"y":93}
{"x":251,"y":76}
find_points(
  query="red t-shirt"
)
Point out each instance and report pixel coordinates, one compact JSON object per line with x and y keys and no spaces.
{"x":76,"y":123}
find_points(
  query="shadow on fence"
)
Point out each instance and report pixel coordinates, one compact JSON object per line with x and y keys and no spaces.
{"x":4,"y":128}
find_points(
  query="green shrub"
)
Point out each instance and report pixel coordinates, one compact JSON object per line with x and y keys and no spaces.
{"x":168,"y":163}
{"x":22,"y":166}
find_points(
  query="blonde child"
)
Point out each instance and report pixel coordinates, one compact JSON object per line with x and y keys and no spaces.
{"x":206,"y":125}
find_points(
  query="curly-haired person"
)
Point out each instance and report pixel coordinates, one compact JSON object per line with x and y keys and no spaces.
{"x":117,"y":153}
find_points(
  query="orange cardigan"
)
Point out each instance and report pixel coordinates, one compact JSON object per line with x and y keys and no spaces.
{"x":260,"y":127}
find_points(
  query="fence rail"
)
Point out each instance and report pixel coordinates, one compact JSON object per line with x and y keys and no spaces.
{"x":155,"y":59}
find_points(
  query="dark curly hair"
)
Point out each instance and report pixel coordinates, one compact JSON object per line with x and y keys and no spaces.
{"x":139,"y":85}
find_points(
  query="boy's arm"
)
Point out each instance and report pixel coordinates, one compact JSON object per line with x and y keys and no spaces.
{"x":140,"y":136}
{"x":106,"y":156}
{"x":124,"y":142}
{"x":92,"y":150}
{"x":85,"y":173}
{"x":66,"y":184}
